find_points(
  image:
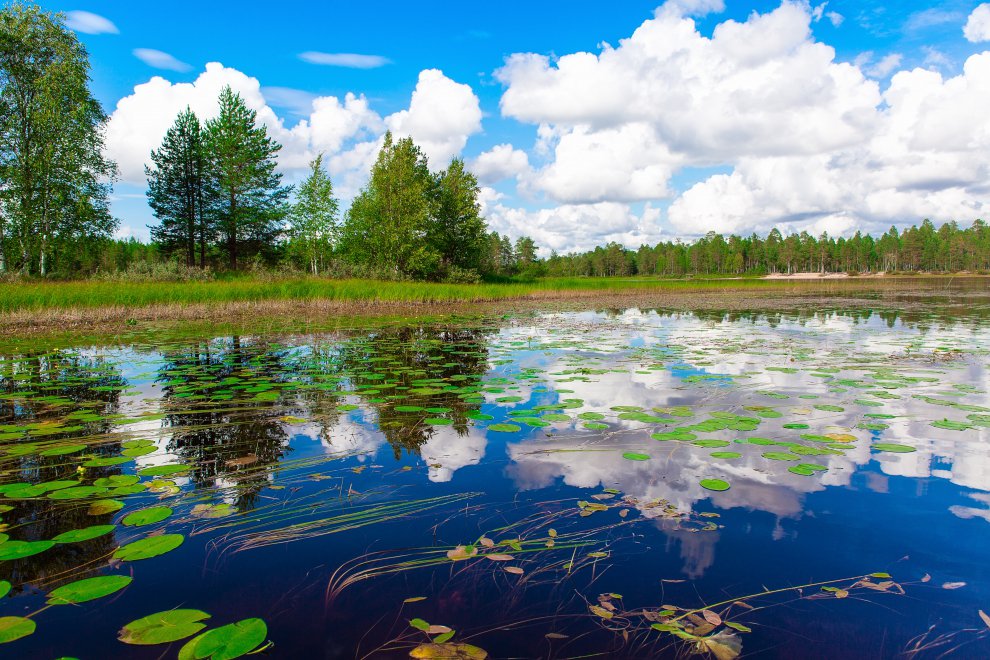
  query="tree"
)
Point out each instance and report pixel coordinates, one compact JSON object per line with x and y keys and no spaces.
{"x":314,"y":216}
{"x":456,"y":229}
{"x":56,"y":181}
{"x":386,"y":226}
{"x":243,"y":159}
{"x":180,"y":191}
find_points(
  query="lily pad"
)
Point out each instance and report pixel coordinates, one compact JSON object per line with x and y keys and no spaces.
{"x":82,"y":591}
{"x":84,"y":534}
{"x":13,"y":628}
{"x":148,"y":516}
{"x":163,"y":627}
{"x":893,"y":447}
{"x":226,"y":642}
{"x":633,"y":456}
{"x":714,"y":484}
{"x":149,"y":547}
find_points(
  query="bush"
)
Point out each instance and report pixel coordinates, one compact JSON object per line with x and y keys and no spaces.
{"x":158,"y":271}
{"x":457,"y":275}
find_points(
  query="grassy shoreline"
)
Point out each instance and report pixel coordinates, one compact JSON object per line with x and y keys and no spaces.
{"x":47,"y":296}
{"x":114,"y":308}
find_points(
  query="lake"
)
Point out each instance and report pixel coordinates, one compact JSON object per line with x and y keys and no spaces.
{"x":626,"y":483}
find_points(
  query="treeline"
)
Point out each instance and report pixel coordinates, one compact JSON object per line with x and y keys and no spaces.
{"x":924,"y":248}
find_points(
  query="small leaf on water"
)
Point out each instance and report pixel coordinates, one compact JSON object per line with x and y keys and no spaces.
{"x":147,"y":516}
{"x":711,"y":617}
{"x":84,"y":534}
{"x":414,"y":599}
{"x":499,"y":557}
{"x":515,"y":570}
{"x":14,"y":627}
{"x":600,"y":611}
{"x":151,"y":546}
{"x":633,"y":456}
{"x":953,"y":585}
{"x":419,"y":624}
{"x":738,"y":626}
{"x":880,"y":576}
{"x":448,"y":652}
{"x":226,"y":642}
{"x":445,"y":637}
{"x":985,"y":617}
{"x":19,"y":549}
{"x":438,"y":630}
{"x":841,"y":593}
{"x":163,"y":627}
{"x":88,"y":589}
{"x":714,"y":484}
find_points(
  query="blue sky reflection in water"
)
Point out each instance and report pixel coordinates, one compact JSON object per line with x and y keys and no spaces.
{"x":324,"y":479}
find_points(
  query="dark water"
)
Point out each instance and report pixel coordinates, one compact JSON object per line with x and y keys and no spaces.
{"x":320,"y":481}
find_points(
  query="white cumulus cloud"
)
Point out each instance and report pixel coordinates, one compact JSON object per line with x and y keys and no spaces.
{"x":89,"y":23}
{"x":809,"y":142}
{"x":442,"y":115}
{"x":502,"y":161}
{"x":977,"y":26}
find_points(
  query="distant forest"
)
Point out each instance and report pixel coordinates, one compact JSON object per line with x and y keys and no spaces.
{"x":220,"y":204}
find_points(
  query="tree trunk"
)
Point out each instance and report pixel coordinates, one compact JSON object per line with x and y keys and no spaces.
{"x":232,"y":234}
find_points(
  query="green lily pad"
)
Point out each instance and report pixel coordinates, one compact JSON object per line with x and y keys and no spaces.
{"x":226,"y":642}
{"x":84,"y":534}
{"x":633,"y":456}
{"x":714,"y":484}
{"x":21,"y":549}
{"x":163,"y":627}
{"x":504,"y":428}
{"x":148,"y":516}
{"x":13,"y":628}
{"x":893,"y":447}
{"x":149,"y":547}
{"x":82,"y":591}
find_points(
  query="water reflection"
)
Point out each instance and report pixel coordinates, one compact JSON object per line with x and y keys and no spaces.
{"x":557,"y":419}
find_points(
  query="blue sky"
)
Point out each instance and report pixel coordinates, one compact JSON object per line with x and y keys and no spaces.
{"x":470,"y":42}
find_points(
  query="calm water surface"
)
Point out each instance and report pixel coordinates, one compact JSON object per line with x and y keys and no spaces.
{"x":600,"y":484}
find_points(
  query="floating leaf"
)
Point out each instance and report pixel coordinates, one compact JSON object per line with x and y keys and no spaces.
{"x":714,"y":484}
{"x":163,"y":627}
{"x":147,"y":516}
{"x":20,"y":549}
{"x":84,"y":534}
{"x":14,"y":627}
{"x":88,"y":589}
{"x":226,"y":642}
{"x":149,"y":547}
{"x":100,"y":507}
{"x":633,"y":456}
{"x":515,"y":570}
{"x":893,"y":447}
{"x":163,"y":470}
{"x":504,"y":428}
{"x":953,"y":585}
{"x":448,"y":652}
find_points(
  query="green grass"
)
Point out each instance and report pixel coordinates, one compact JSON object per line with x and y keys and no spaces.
{"x":21,"y":296}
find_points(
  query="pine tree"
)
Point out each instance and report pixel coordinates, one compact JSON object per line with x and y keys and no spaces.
{"x":243,"y":159}
{"x":180,"y":191}
{"x":313,"y":218}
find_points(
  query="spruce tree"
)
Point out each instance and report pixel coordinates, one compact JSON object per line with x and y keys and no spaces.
{"x":180,"y":191}
{"x":457,"y":230}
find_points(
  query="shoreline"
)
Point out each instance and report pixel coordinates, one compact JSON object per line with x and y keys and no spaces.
{"x":309,"y":314}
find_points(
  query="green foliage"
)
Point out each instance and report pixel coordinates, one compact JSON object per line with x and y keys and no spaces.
{"x":181,"y":191}
{"x":314,"y":222}
{"x":252,"y":200}
{"x":55,"y":178}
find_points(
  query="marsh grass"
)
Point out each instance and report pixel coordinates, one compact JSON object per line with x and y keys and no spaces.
{"x":94,"y":293}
